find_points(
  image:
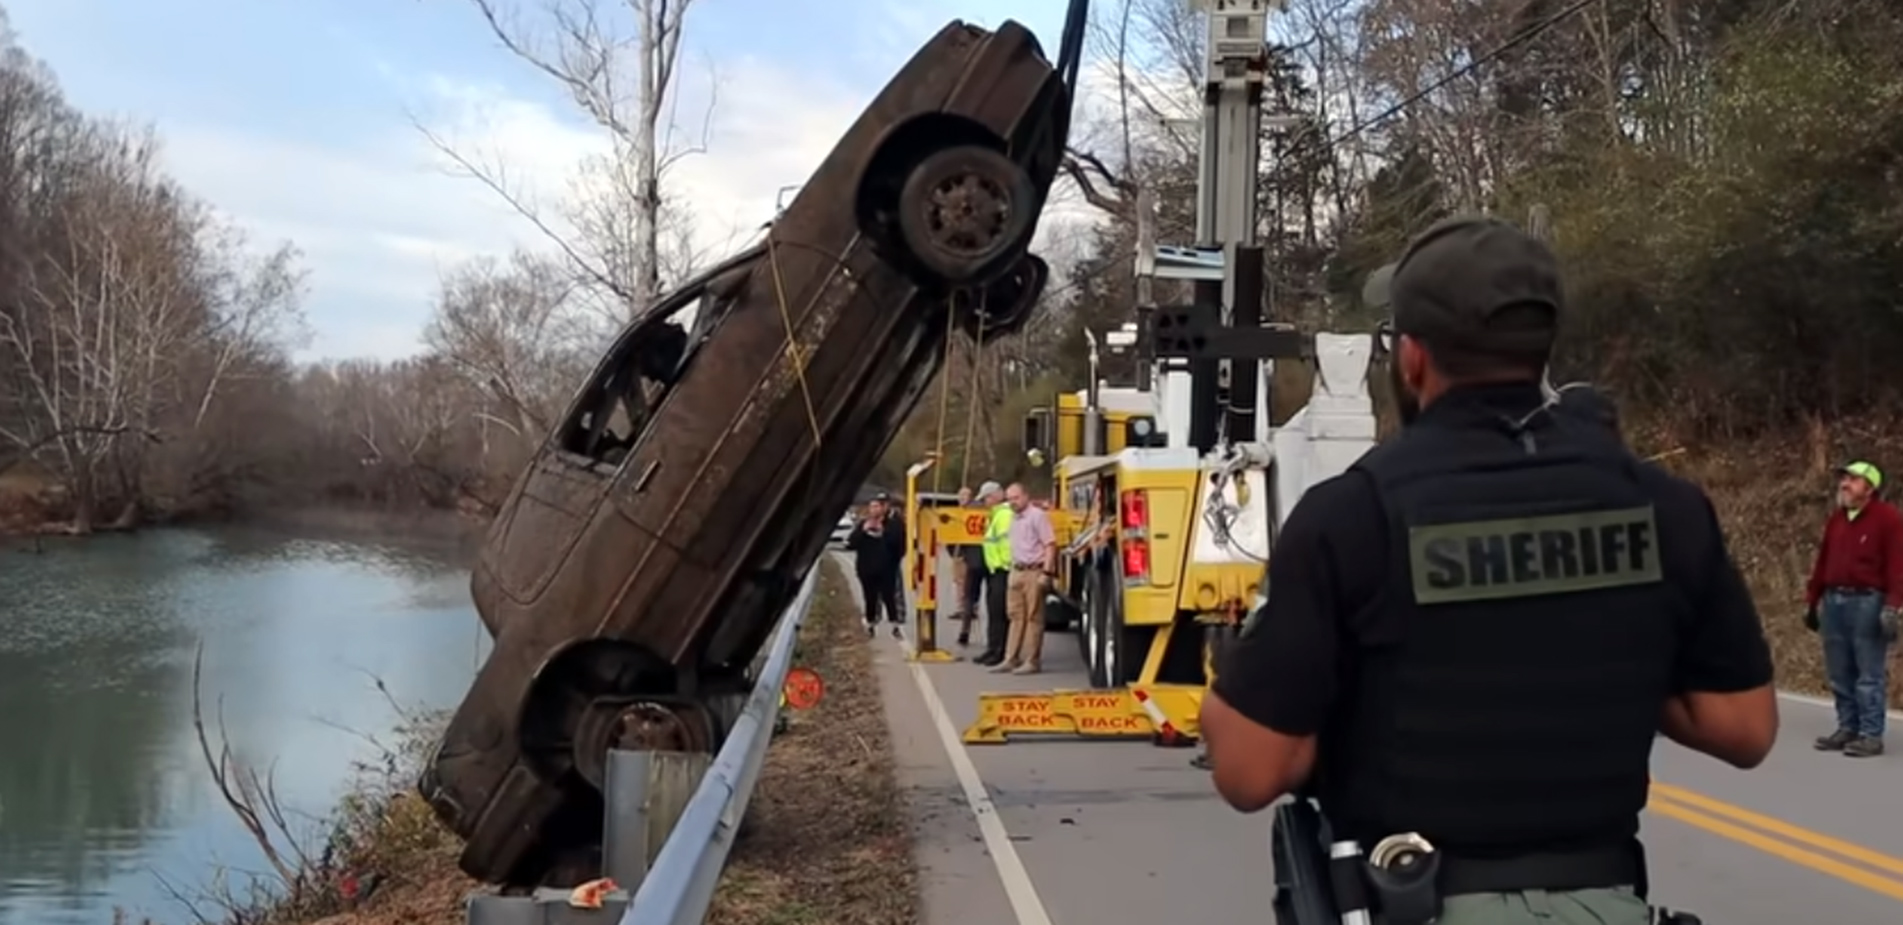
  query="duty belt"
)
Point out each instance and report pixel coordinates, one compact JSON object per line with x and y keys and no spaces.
{"x":1599,"y":868}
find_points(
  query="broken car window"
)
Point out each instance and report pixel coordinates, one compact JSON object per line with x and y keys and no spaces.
{"x":644,"y":364}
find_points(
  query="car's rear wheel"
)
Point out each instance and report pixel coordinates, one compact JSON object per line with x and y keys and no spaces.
{"x":964,"y":214}
{"x":1003,"y":306}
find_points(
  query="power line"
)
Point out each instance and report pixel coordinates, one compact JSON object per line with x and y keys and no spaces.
{"x":1529,"y":34}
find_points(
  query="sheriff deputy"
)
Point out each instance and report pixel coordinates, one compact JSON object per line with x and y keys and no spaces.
{"x":1475,"y":633}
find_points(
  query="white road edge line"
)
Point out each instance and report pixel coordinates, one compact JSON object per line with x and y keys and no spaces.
{"x":1821,"y":702}
{"x":1018,"y":888}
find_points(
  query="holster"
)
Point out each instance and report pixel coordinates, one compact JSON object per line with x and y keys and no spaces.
{"x":1299,"y":851}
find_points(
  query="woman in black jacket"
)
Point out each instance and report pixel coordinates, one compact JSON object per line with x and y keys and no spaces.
{"x":877,"y":543}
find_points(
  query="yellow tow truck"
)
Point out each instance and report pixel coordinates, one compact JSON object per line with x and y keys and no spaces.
{"x":1170,"y":492}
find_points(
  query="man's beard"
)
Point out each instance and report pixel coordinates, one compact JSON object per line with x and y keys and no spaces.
{"x":1405,"y":402}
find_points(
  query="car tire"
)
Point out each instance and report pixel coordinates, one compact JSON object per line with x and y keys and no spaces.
{"x":1007,"y":302}
{"x":964,"y":214}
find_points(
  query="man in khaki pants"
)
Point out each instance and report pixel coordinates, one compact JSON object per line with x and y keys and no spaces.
{"x":1033,"y":560}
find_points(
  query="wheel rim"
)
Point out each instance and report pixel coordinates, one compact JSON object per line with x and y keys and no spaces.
{"x":968,"y":214}
{"x":661,"y":727}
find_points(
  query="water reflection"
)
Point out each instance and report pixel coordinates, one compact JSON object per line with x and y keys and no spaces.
{"x":103,"y":795}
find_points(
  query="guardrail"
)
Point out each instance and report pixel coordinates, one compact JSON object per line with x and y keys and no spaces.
{"x":692,"y":806}
{"x":679,"y":885}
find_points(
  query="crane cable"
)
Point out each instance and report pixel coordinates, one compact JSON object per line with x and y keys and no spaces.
{"x":944,"y":394}
{"x":971,"y":404}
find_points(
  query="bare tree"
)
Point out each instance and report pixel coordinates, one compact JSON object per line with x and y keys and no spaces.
{"x":618,"y":208}
{"x":512,"y":330}
{"x":108,"y":312}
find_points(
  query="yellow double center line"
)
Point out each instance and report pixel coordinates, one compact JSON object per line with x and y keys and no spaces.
{"x":1879,"y":873}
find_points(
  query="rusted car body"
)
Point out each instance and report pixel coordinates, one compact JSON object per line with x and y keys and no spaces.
{"x":641,"y":560}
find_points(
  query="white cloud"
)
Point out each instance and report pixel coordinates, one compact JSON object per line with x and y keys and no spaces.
{"x":379,"y":218}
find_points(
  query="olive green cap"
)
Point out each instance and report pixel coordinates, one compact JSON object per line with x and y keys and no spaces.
{"x":1473,"y":283}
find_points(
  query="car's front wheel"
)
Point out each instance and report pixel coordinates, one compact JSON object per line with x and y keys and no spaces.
{"x":965,"y":213}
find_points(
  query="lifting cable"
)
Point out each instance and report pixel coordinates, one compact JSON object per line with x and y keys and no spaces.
{"x":792,"y":344}
{"x":972,"y":403}
{"x":944,"y":394}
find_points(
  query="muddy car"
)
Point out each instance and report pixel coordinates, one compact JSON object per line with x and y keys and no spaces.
{"x":642,"y":559}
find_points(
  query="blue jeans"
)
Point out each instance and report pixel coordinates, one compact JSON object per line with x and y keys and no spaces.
{"x":1855,"y":659}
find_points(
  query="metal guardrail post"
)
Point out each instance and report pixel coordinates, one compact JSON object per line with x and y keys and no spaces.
{"x":680,"y":885}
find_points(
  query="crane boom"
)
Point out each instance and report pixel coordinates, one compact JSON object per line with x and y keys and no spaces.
{"x":1213,"y":398}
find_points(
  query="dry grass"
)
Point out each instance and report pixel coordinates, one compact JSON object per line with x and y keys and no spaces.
{"x":828,"y":841}
{"x":396,"y":863}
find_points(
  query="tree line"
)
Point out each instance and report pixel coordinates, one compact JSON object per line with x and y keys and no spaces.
{"x":145,"y":343}
{"x":1719,"y":176}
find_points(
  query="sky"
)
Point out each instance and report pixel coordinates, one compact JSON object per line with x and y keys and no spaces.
{"x":300,"y":122}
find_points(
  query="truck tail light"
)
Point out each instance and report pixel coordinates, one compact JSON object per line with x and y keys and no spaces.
{"x":1136,"y":562}
{"x":1135,"y":511}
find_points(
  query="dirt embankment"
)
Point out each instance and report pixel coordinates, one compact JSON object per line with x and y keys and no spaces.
{"x":826,"y":839}
{"x":1772,"y":497}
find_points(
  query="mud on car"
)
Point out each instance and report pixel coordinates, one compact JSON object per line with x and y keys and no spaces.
{"x":641,"y":560}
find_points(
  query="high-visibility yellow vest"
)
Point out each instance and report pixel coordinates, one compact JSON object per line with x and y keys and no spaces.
{"x":998,"y":539}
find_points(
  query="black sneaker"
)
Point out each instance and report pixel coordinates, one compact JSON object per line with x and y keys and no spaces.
{"x":872,"y":629}
{"x":896,"y":632}
{"x":1835,"y":742}
{"x":1864,"y":747}
{"x":963,"y":640}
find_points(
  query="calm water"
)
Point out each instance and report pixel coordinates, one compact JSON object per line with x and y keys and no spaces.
{"x":104,"y":798}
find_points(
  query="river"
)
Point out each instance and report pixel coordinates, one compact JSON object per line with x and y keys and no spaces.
{"x":105,"y":801}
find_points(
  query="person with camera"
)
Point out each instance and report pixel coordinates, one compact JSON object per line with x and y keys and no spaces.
{"x":877,"y":543}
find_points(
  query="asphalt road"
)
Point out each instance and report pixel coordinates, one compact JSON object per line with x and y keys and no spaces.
{"x":1074,"y":832}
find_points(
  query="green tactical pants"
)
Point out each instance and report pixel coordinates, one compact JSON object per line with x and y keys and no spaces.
{"x":1618,"y":906}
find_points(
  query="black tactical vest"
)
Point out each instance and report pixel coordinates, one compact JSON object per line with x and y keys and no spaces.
{"x":1510,"y":673}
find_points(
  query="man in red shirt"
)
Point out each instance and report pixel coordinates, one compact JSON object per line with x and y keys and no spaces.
{"x":1855,"y":591}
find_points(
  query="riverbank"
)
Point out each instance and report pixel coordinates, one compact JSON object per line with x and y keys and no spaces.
{"x":826,"y":835}
{"x":32,"y":503}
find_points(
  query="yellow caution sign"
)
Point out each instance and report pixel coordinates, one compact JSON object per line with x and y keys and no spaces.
{"x":1164,"y":712}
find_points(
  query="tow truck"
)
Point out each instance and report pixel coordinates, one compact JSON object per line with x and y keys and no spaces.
{"x":1171,"y":490}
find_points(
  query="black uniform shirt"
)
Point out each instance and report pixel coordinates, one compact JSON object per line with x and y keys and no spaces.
{"x":1290,"y":670}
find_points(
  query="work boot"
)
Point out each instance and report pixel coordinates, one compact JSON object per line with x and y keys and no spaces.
{"x":1864,"y":747}
{"x":988,"y":659}
{"x":1835,"y":742}
{"x":964,"y":639}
